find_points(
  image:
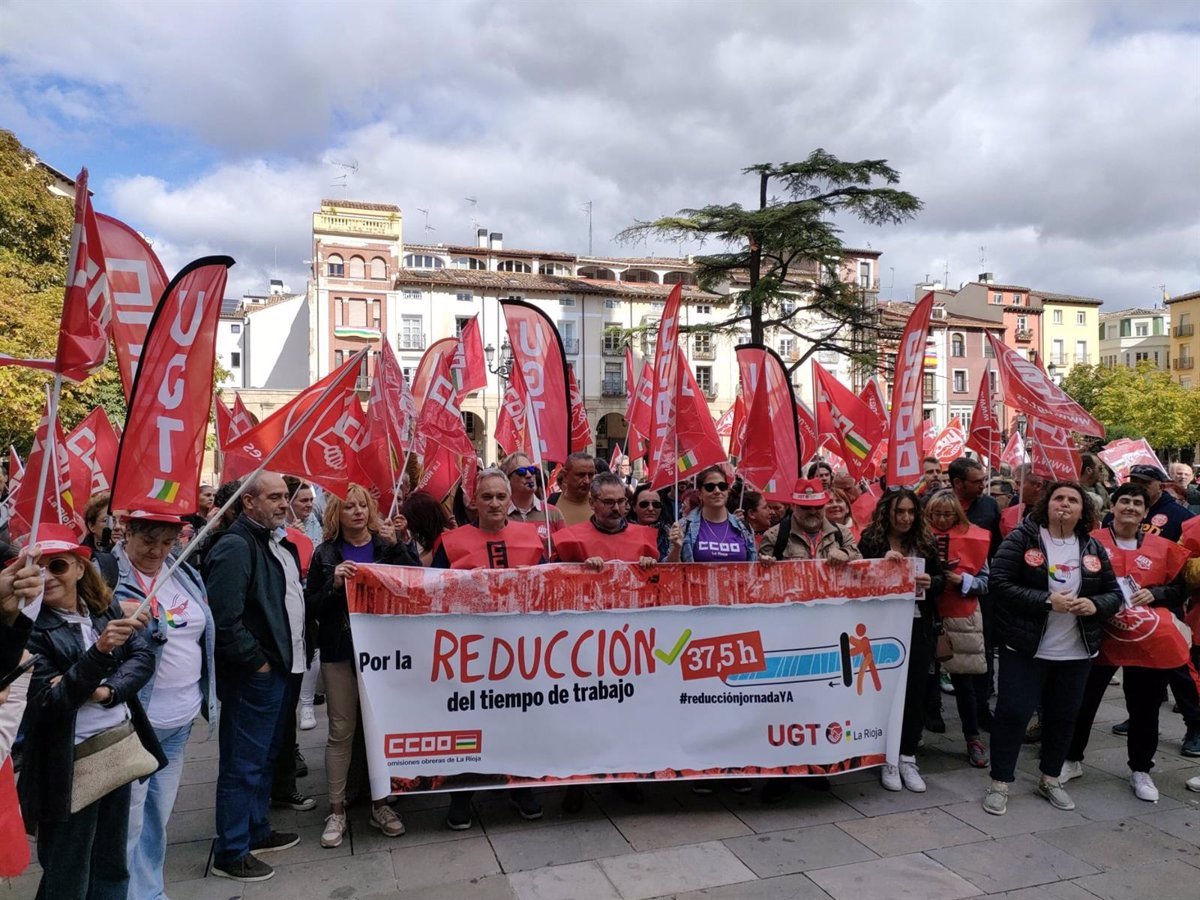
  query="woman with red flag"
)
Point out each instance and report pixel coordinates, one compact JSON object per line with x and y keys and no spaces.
{"x":963,"y":549}
{"x":1149,"y":569}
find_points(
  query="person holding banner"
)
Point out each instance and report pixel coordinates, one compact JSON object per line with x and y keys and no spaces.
{"x":427,"y":520}
{"x":1150,"y":571}
{"x":1054,"y":587}
{"x":181,"y":634}
{"x":607,"y":536}
{"x":647,"y":508}
{"x":495,"y":543}
{"x":91,"y":663}
{"x":963,"y":549}
{"x":351,"y":532}
{"x":898,"y":531}
{"x":839,"y":511}
{"x":710,"y":533}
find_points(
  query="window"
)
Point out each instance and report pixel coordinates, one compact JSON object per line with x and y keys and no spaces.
{"x":702,"y":346}
{"x":1022,"y":323}
{"x":411,"y":294}
{"x":335,"y":267}
{"x":1158,"y":325}
{"x":787,"y":348}
{"x":992,"y":381}
{"x":553,"y":269}
{"x":657,"y":305}
{"x":614,"y":343}
{"x":963,"y":416}
{"x":469,"y":421}
{"x":422,"y":261}
{"x":788,"y":306}
{"x":355,"y":313}
{"x":358,"y":267}
{"x":410,"y":372}
{"x":460,"y":322}
{"x":864,"y":274}
{"x":958,"y":346}
{"x":704,"y":380}
{"x":997,"y":298}
{"x":235,"y":328}
{"x":566,"y":331}
{"x":235,"y":360}
{"x":1081,"y":318}
{"x":1110,"y":331}
{"x":412,"y":333}
{"x":611,"y":303}
{"x":1057,"y":353}
{"x":614,"y":379}
{"x":704,"y":309}
{"x":1141,"y":329}
{"x":930,"y":388}
{"x":1141,"y":357}
{"x":376,"y":305}
{"x":467,"y":262}
{"x":1017,"y":298}
{"x":566,"y":301}
{"x":378,"y":268}
{"x":464,"y":296}
{"x":513,"y":265}
{"x":1081,"y":354}
{"x":987,"y":347}
{"x":960,"y":381}
{"x":1058,"y":317}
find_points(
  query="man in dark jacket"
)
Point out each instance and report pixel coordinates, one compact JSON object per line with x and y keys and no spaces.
{"x":252,"y":573}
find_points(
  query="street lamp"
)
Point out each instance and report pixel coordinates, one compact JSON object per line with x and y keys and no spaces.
{"x":504,"y":369}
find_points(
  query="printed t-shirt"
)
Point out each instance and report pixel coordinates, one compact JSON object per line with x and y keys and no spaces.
{"x":1061,"y":639}
{"x":175,"y":700}
{"x":718,"y":542}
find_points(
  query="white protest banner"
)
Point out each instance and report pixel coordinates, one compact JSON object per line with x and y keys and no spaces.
{"x":491,"y":677}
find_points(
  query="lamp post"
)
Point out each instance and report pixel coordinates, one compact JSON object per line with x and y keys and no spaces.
{"x":502,"y":370}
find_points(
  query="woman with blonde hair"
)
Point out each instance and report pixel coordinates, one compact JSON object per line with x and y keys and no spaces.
{"x":350,"y":529}
{"x":838,"y":511}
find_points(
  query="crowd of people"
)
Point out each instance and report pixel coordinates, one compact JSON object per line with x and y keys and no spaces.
{"x":1018,"y":577}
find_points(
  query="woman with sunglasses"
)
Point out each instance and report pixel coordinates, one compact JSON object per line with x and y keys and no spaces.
{"x":648,"y":510}
{"x":91,"y":663}
{"x":710,"y":532}
{"x":898,"y":531}
{"x":181,"y":635}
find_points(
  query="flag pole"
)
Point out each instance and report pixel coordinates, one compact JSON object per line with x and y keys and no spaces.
{"x":536,"y":449}
{"x":396,"y":483}
{"x":215,"y":517}
{"x":48,"y":450}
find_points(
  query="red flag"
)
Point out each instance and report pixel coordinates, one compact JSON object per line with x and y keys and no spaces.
{"x":401,"y":406}
{"x":905,"y":450}
{"x":428,"y":365}
{"x":772,"y":461}
{"x":94,"y":442}
{"x":1014,"y":454}
{"x":857,"y":428}
{"x":510,"y":425}
{"x":443,"y":469}
{"x":581,"y":430}
{"x":1052,"y":452}
{"x":725,"y":422}
{"x":441,"y":421}
{"x":1027,"y":388}
{"x":699,"y":446}
{"x":1123,"y":455}
{"x":985,"y":427}
{"x":639,"y":413}
{"x":469,"y":366}
{"x":57,"y":503}
{"x":665,"y":446}
{"x":377,"y":465}
{"x":137,"y":282}
{"x":872,"y":395}
{"x":949,"y":445}
{"x":806,"y":421}
{"x":230,"y":425}
{"x":16,"y":472}
{"x":313,"y":434}
{"x":539,"y":360}
{"x":616,"y":458}
{"x":162,"y":448}
{"x":87,"y":302}
{"x":737,"y":427}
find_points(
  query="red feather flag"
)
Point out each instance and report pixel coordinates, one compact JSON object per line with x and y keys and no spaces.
{"x":468,"y":365}
{"x":1029,"y":389}
{"x":230,"y":425}
{"x":772,"y":461}
{"x":441,"y":420}
{"x":94,"y":443}
{"x":581,"y":429}
{"x":430,"y":360}
{"x":699,"y":445}
{"x":162,"y":447}
{"x":510,"y":424}
{"x":1052,"y":452}
{"x":857,"y":429}
{"x":87,"y":301}
{"x":663,"y":466}
{"x":984,"y":438}
{"x":639,"y":413}
{"x":541,"y":364}
{"x":806,"y":421}
{"x":905,"y":445}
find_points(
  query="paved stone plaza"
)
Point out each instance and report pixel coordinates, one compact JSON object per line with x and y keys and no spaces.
{"x":857,"y":842}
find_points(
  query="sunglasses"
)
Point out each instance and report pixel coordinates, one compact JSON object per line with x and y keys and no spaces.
{"x":58,"y":566}
{"x":711,"y":486}
{"x":649,"y":504}
{"x":524,"y":471}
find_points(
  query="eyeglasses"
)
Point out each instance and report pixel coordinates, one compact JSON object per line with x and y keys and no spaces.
{"x":711,"y":486}
{"x":608,"y":503}
{"x":649,"y":504}
{"x":523,"y":471}
{"x":58,"y":566}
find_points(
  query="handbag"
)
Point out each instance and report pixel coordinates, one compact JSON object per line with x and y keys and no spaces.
{"x":107,"y":761}
{"x":943,"y":650}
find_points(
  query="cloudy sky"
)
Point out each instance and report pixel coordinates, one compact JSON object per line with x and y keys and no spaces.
{"x":1058,"y":141}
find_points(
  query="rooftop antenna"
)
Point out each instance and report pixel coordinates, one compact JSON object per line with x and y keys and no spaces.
{"x":587,"y":208}
{"x":428,"y":227}
{"x":946,"y":273}
{"x":474,"y":220}
{"x":348,"y":169}
{"x":982,"y":258}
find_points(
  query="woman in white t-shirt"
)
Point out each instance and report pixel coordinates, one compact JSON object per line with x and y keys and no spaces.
{"x":181,"y":634}
{"x":1053,"y":586}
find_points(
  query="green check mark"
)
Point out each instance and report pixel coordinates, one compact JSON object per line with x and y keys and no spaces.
{"x":669,"y":658}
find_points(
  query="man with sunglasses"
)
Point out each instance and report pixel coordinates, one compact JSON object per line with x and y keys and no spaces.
{"x":524,"y":505}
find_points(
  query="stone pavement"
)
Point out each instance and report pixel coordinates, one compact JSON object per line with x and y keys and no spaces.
{"x":857,"y":842}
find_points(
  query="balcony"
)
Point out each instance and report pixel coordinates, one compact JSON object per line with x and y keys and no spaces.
{"x":1058,"y":359}
{"x":362,"y":383}
{"x":1183,"y":331}
{"x":709,"y":391}
{"x":1023,"y":335}
{"x":1183,"y":364}
{"x":613,"y":347}
{"x":613,"y":386}
{"x":571,"y":346}
{"x":709,"y":352}
{"x":411,"y":342}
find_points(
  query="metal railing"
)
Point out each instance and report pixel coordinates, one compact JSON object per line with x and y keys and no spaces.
{"x":1183,"y":363}
{"x":709,"y":352}
{"x":1023,"y":334}
{"x":411,"y":343}
{"x":709,"y":391}
{"x":613,"y":386}
{"x":571,"y":346}
{"x":1181,"y":331}
{"x":612,"y":348}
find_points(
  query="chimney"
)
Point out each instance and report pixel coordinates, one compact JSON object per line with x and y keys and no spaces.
{"x":497,"y":240}
{"x":986,"y":278}
{"x":481,"y":240}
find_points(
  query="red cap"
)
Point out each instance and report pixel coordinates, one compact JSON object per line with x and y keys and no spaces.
{"x":143,"y":516}
{"x":809,"y":492}
{"x":52,"y":539}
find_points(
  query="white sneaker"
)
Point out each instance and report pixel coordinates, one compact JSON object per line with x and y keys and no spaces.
{"x":1071,"y":769}
{"x":1143,"y":786}
{"x":889,"y":777}
{"x":1193,"y":784}
{"x":335,"y":830}
{"x":911,"y":775}
{"x":308,"y":719}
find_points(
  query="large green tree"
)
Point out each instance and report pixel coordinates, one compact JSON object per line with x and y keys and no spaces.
{"x":789,"y":249}
{"x":35,"y":240}
{"x":1138,"y":403}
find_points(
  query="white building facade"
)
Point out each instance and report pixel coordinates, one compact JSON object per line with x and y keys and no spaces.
{"x":1130,"y":337}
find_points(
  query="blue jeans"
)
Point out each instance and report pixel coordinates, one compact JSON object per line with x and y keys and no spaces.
{"x":250,"y":732}
{"x":83,"y":858}
{"x":149,"y":809}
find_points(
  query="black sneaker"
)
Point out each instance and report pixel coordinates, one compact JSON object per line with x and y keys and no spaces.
{"x":458,"y":818}
{"x":296,"y":801}
{"x":318,"y":699}
{"x":573,"y":799}
{"x":776,"y":789}
{"x":248,"y":868}
{"x":1121,"y":728}
{"x":301,"y":765}
{"x":275,"y":841}
{"x":1191,"y":742}
{"x":527,"y":804}
{"x":630,"y":792}
{"x":935,"y":723}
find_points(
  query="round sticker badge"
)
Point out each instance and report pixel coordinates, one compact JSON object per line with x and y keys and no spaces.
{"x":1092,"y":564}
{"x":1143,"y":562}
{"x":1159,"y":521}
{"x":1034,"y":557}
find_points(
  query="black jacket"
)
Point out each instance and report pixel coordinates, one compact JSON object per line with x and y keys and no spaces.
{"x":1019,"y":589}
{"x":246,"y":592}
{"x":327,"y":604}
{"x":49,"y":723}
{"x":871,"y":549}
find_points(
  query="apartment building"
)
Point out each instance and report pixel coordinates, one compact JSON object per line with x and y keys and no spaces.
{"x":1184,"y":347}
{"x":1069,"y":327}
{"x":1129,"y":337}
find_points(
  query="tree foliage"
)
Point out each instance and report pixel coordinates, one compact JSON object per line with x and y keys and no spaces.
{"x":1138,"y":403}
{"x":789,"y":250}
{"x":35,"y":240}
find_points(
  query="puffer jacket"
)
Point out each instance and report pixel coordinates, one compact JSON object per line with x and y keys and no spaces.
{"x":1019,"y":590}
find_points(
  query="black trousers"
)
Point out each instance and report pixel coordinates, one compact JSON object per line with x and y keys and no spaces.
{"x":920,"y":655}
{"x":85,"y":856}
{"x":1143,"y":693}
{"x":1024,"y":683}
{"x":1183,"y":686}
